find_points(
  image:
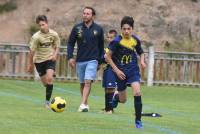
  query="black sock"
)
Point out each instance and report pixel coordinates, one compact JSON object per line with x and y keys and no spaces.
{"x":108,"y":101}
{"x":49,"y":89}
{"x":117,"y":97}
{"x":138,"y":107}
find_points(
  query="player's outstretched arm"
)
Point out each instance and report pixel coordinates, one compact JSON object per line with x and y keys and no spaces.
{"x":142,"y":61}
{"x":55,"y":54}
{"x":56,"y":48}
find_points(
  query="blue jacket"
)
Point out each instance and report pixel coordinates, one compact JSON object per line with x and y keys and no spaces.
{"x":90,"y":42}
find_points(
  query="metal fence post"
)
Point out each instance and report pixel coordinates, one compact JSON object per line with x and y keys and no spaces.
{"x":150,"y":66}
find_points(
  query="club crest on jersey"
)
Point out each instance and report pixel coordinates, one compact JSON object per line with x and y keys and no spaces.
{"x":126,"y":59}
{"x":51,"y":39}
{"x":80,"y":31}
{"x":95,"y":32}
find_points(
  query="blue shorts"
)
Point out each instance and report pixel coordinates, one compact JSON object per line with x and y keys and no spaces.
{"x":109,"y":78}
{"x":86,"y":70}
{"x":132,"y":75}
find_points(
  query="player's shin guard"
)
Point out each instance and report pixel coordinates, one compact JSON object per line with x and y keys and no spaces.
{"x":108,"y":101}
{"x":138,"y":107}
{"x":49,"y":89}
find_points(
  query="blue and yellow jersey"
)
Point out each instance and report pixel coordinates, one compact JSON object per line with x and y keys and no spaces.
{"x":125,"y":51}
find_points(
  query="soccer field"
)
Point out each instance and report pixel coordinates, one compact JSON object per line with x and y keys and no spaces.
{"x":22,"y":111}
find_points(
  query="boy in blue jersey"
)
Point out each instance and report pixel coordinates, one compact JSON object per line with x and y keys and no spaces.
{"x":109,"y":79}
{"x":122,"y":56}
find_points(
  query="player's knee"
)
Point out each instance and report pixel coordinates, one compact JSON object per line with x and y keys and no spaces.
{"x":137,"y":93}
{"x":49,"y":80}
{"x":87,"y":83}
{"x":123,"y":100}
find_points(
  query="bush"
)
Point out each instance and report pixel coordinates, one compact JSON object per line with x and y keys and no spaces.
{"x":194,"y":0}
{"x":33,"y":29}
{"x":8,"y":6}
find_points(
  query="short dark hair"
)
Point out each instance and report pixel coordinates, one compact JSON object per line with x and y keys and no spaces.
{"x":113,"y":31}
{"x":41,"y":18}
{"x":91,"y":8}
{"x":127,"y":20}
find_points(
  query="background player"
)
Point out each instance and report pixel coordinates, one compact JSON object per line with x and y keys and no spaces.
{"x":109,"y":80}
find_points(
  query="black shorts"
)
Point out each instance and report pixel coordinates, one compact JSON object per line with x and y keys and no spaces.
{"x":43,"y":66}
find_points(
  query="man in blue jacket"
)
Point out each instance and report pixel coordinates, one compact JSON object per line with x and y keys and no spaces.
{"x":89,"y":37}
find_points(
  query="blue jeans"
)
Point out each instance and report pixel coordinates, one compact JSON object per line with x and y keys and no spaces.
{"x":86,"y":70}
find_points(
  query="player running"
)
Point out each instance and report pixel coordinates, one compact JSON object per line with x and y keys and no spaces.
{"x":122,"y":56}
{"x":44,"y":48}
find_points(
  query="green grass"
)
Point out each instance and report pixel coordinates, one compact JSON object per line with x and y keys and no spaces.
{"x":22,"y":111}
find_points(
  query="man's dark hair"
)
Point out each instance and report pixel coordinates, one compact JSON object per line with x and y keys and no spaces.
{"x":113,"y":31}
{"x":91,"y":8}
{"x":127,"y":20}
{"x":41,"y":18}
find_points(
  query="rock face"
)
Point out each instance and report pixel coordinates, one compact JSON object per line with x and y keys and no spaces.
{"x":172,"y":23}
{"x":168,"y":24}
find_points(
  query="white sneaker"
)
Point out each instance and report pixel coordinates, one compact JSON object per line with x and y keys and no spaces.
{"x":83,"y":108}
{"x":47,"y":105}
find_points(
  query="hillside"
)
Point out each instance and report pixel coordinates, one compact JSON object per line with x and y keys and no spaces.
{"x":169,"y":24}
